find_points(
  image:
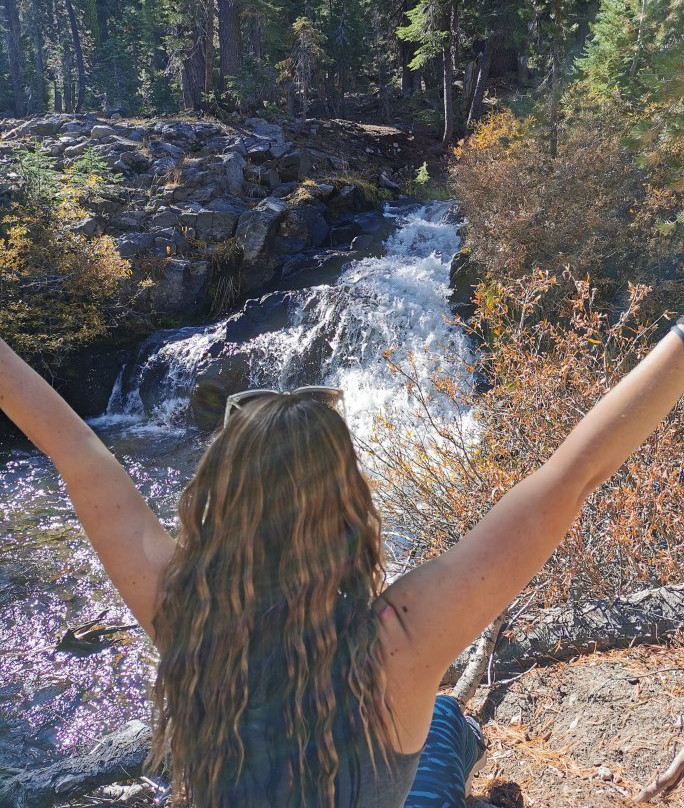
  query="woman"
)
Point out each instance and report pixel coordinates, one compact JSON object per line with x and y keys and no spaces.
{"x":288,"y":675}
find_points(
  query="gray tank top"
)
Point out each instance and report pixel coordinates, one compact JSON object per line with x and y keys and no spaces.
{"x":356,"y":785}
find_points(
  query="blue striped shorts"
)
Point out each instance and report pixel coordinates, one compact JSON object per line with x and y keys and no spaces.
{"x":451,"y":750}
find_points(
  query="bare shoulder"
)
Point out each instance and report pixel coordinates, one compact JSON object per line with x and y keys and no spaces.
{"x":411,"y":684}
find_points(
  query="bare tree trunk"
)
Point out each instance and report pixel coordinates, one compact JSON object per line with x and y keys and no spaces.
{"x":230,"y":40}
{"x":193,"y":30}
{"x":256,"y":35}
{"x":38,"y":95}
{"x":80,"y":67}
{"x":101,"y":11}
{"x":448,"y":75}
{"x":483,"y":62}
{"x":209,"y":62}
{"x":67,"y":77}
{"x":14,"y":55}
{"x":556,"y":69}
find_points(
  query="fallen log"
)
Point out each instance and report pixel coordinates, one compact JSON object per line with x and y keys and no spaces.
{"x":562,"y":632}
{"x":118,"y":756}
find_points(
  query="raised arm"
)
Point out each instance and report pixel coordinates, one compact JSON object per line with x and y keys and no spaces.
{"x":444,"y":604}
{"x":131,"y":543}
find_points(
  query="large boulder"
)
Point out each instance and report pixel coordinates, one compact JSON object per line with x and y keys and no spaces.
{"x":295,"y":165}
{"x":46,"y":126}
{"x":234,"y":172}
{"x":255,"y":236}
{"x":266,"y":130}
{"x":216,"y":225}
{"x":181,"y":287}
{"x":76,"y":150}
{"x":101,"y":130}
{"x":131,"y":244}
{"x":303,"y":226}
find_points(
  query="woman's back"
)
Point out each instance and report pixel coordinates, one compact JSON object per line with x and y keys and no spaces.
{"x":357,"y":784}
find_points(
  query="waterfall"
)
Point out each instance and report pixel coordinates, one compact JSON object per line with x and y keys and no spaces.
{"x":335,"y":333}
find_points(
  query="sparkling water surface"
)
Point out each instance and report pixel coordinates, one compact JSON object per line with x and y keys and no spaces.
{"x":336,"y":332}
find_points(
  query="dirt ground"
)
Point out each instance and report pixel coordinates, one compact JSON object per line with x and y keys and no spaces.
{"x":584,"y":734}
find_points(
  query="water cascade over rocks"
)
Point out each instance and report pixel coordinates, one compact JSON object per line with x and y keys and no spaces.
{"x":333,"y":332}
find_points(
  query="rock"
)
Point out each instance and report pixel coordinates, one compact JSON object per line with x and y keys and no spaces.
{"x":348,"y":199}
{"x":169,"y":148}
{"x":604,"y":773}
{"x":363,"y":243}
{"x":73,"y":127}
{"x":47,"y":126}
{"x":168,"y":241}
{"x":136,"y":160}
{"x":284,"y":189}
{"x":130,"y":220}
{"x":77,"y":150}
{"x":321,"y":190}
{"x":234,"y":172}
{"x":464,"y":276}
{"x":131,"y":244}
{"x":271,"y":177}
{"x":295,"y":165}
{"x":175,"y":130}
{"x":162,"y":165}
{"x":205,"y":194}
{"x":303,"y":226}
{"x":181,"y":286}
{"x":216,"y":225}
{"x":270,"y":131}
{"x":386,"y":182}
{"x":100,"y":131}
{"x":87,"y":376}
{"x":259,"y":153}
{"x":255,"y":236}
{"x":278,"y":150}
{"x":165,"y":217}
{"x":88,"y":226}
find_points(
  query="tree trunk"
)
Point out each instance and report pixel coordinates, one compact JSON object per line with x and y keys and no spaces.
{"x":640,"y":33}
{"x":14,"y":55}
{"x":230,"y":40}
{"x":410,"y":79}
{"x":209,"y":62}
{"x":102,"y":13}
{"x":67,"y":77}
{"x":256,"y":35}
{"x":483,"y":62}
{"x":556,"y":77}
{"x":193,"y":31}
{"x":38,"y":94}
{"x":562,"y":632}
{"x":448,"y":75}
{"x":80,"y":67}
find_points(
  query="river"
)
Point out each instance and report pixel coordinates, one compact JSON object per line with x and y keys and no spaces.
{"x":329,"y":323}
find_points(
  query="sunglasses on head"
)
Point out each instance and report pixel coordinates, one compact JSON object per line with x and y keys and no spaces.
{"x":331,"y":396}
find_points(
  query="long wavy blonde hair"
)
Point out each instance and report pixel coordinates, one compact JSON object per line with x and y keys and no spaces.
{"x":266,"y":603}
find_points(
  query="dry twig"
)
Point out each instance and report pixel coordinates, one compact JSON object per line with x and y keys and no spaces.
{"x":664,"y":780}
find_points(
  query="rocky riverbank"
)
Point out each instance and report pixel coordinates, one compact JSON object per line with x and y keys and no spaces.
{"x":208,"y":213}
